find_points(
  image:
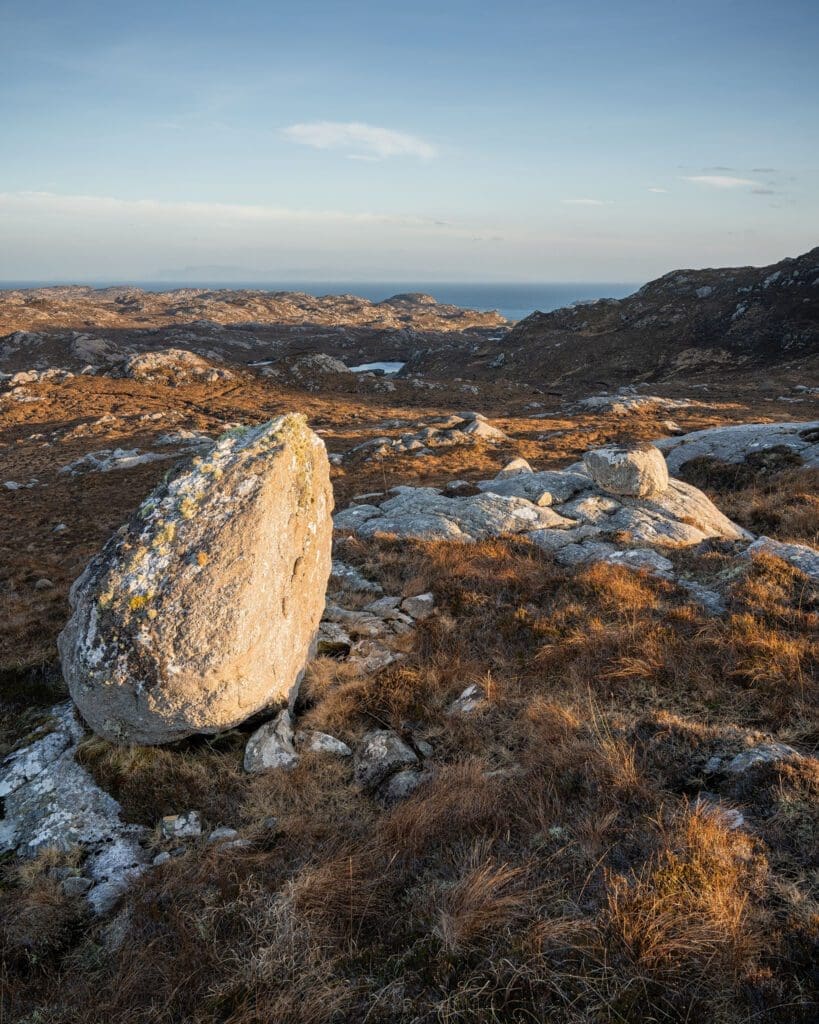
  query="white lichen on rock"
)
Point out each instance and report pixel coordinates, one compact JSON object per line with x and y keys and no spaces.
{"x":203,"y":609}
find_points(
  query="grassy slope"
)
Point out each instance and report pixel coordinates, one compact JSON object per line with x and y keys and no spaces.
{"x":558,"y":866}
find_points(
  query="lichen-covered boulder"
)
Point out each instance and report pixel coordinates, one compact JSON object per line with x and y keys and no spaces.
{"x":636,"y":471}
{"x":204,"y":608}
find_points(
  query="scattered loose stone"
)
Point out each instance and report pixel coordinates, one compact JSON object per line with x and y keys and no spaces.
{"x":219,"y":835}
{"x":321,"y":743}
{"x":513,"y":468}
{"x":181,"y":826}
{"x":401,"y":785}
{"x":419,"y":607}
{"x":351,"y":578}
{"x":765,"y":753}
{"x":372,"y":655}
{"x":76,"y":886}
{"x":272,"y":746}
{"x":439,"y":432}
{"x":333,"y":641}
{"x":470,"y":699}
{"x":383,"y":606}
{"x":380,"y":754}
{"x":728,"y":817}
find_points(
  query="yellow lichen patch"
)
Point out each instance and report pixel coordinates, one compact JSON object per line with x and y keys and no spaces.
{"x":137,"y":602}
{"x":165,"y":535}
{"x":187,"y":508}
{"x":202,"y":558}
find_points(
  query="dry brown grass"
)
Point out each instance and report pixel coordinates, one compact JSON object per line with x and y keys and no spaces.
{"x":769,"y":495}
{"x":556,"y":867}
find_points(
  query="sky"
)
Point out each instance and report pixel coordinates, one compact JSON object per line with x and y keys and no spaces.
{"x":432,"y":141}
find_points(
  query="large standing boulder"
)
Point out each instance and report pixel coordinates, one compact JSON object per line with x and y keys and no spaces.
{"x":635,"y":471}
{"x":204,"y":608}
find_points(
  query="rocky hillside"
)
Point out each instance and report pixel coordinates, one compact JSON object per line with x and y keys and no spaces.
{"x":687,"y":320}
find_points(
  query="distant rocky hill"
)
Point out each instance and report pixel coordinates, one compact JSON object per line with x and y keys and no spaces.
{"x":71,"y":327}
{"x":684,"y":322}
{"x":129,"y":308}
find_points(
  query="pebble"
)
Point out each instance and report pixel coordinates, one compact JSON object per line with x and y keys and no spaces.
{"x":181,"y":826}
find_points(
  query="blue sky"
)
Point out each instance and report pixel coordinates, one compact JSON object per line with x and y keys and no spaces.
{"x":549,"y":141}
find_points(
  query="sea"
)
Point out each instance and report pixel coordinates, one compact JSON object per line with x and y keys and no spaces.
{"x":512,"y":301}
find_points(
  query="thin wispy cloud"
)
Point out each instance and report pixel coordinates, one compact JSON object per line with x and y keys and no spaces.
{"x":217,"y":213}
{"x":720,"y":181}
{"x":360,"y":141}
{"x":662,"y":191}
{"x":583,"y":202}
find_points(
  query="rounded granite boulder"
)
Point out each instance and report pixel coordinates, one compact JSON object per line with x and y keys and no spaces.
{"x":634,"y":471}
{"x":204,"y":608}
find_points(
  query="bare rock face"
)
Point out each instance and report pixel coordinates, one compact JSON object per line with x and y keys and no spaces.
{"x":174,"y":366}
{"x":634,"y":471}
{"x":204,"y":608}
{"x":735,"y":443}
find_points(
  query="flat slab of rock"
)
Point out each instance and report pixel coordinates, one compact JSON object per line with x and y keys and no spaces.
{"x":734,"y":444}
{"x":624,"y":403}
{"x":51,"y":802}
{"x":576,"y":521}
{"x":765,"y":753}
{"x":204,"y":608}
{"x":802,"y":557}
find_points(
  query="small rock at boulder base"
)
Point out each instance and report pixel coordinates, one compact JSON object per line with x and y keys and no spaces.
{"x":381,"y":753}
{"x":204,"y":608}
{"x":271,"y":746}
{"x":633,"y":470}
{"x":322,"y":743}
